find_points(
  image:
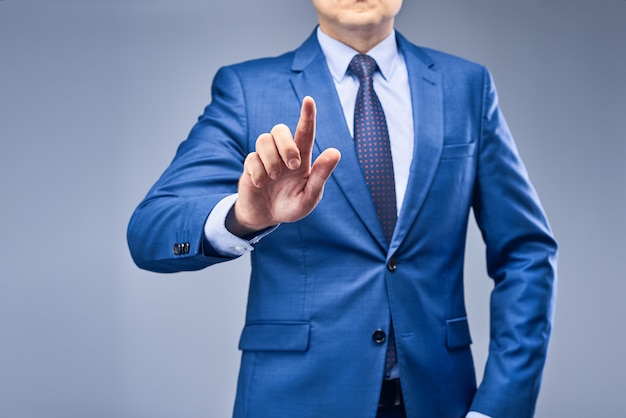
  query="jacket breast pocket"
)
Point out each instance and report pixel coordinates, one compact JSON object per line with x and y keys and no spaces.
{"x":457,"y":151}
{"x":275,"y":336}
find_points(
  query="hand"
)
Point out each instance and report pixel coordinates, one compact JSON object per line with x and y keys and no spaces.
{"x":278,"y":183}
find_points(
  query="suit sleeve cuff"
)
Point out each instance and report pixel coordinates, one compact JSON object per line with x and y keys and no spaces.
{"x":221,"y":239}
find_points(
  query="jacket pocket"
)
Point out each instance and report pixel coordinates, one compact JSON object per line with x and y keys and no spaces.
{"x":458,"y":333}
{"x":455,"y":151}
{"x":275,"y":336}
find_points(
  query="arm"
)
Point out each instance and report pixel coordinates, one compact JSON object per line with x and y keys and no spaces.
{"x":521,"y":259}
{"x":166,"y":231}
{"x":204,"y":171}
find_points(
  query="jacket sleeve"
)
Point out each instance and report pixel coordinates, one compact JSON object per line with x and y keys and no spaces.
{"x":166,"y":231}
{"x":521,"y":259}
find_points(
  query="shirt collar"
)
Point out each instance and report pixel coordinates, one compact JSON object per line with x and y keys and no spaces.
{"x":338,"y":55}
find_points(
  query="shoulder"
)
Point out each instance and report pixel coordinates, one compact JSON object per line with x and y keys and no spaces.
{"x":252,"y":76}
{"x":442,"y":62}
{"x":256,"y":75}
{"x":257,"y":66}
{"x":282,"y":65}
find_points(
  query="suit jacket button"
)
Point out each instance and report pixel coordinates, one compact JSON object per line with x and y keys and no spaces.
{"x":177,"y":249}
{"x":392,"y":265}
{"x":379,"y":336}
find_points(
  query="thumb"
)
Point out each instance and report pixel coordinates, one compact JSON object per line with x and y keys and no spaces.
{"x":321,"y":170}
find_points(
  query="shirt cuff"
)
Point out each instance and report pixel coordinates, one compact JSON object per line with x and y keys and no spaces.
{"x":473,"y":414}
{"x":221,"y":239}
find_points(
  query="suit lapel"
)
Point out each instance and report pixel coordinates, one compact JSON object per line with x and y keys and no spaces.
{"x":427,"y":100}
{"x":312,"y":78}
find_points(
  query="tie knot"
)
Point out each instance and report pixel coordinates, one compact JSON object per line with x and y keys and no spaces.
{"x":362,"y":66}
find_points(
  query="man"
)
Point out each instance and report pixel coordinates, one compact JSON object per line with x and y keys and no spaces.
{"x":351,"y":312}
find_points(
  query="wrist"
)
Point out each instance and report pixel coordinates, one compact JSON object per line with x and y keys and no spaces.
{"x":237,"y":224}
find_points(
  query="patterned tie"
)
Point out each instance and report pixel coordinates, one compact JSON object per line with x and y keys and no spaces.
{"x":372,"y":143}
{"x":374,"y":152}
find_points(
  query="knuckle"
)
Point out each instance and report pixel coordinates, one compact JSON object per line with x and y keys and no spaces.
{"x":281,"y":129}
{"x":263,"y":140}
{"x":282,"y":135}
{"x":251,"y":159}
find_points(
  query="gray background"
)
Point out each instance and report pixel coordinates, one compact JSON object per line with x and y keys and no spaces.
{"x":95,"y":96}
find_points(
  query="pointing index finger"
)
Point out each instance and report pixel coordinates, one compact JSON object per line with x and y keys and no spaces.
{"x":305,"y":131}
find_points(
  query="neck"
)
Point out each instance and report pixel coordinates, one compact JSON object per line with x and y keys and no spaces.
{"x":359,"y":39}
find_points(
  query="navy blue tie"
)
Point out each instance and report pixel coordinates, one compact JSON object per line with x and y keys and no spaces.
{"x":374,"y":151}
{"x":372,"y":144}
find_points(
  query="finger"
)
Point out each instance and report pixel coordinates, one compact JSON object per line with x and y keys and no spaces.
{"x":254,"y":168}
{"x":321,"y":171}
{"x":305,"y":131}
{"x":284,"y":143}
{"x":268,"y":155}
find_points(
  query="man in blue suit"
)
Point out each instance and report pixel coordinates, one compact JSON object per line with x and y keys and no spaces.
{"x":329,"y":292}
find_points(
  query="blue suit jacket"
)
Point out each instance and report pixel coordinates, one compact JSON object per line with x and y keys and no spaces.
{"x":322,"y":286}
